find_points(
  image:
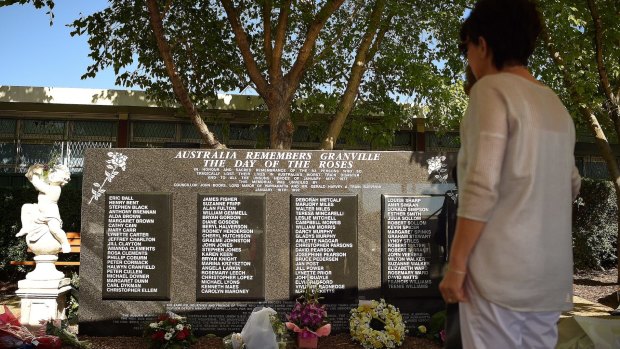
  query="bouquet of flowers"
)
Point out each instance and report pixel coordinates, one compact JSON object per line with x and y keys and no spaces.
{"x":377,"y":324}
{"x":170,"y":331}
{"x":14,"y":335}
{"x":282,"y":335}
{"x":309,"y":315}
{"x":60,"y":329}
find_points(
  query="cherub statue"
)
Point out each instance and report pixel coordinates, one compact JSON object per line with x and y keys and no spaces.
{"x":44,"y":216}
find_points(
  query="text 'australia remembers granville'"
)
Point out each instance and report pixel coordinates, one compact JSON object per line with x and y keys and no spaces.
{"x":273,"y":159}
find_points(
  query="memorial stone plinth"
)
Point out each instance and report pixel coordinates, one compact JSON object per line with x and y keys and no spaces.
{"x":211,"y":235}
{"x":42,"y":300}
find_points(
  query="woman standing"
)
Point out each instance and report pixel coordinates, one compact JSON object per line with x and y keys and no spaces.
{"x":511,"y":260}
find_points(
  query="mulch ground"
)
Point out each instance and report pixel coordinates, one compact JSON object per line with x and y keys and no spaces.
{"x":598,"y":286}
{"x":338,"y":341}
{"x":595,"y":286}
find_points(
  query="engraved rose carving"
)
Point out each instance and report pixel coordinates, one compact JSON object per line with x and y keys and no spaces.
{"x":117,"y":161}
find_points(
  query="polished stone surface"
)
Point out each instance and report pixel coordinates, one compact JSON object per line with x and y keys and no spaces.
{"x":187,"y":173}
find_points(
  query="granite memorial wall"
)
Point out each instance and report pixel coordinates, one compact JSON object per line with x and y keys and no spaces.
{"x":212,"y":234}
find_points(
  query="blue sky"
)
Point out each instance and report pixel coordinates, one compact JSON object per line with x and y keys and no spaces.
{"x":35,"y":54}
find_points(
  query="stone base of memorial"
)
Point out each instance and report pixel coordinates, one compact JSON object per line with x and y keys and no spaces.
{"x":42,"y":300}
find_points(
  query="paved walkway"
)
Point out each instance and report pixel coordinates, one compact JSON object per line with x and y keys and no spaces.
{"x":571,"y":334}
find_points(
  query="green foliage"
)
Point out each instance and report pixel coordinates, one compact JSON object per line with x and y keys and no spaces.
{"x":12,"y":248}
{"x":417,"y":70}
{"x":434,"y":329}
{"x":60,"y":329}
{"x":73,"y":305}
{"x":571,"y":29}
{"x":595,"y":225}
{"x":416,"y":62}
{"x":49,"y":4}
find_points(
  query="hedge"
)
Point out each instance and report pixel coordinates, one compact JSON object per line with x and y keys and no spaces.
{"x":595,"y":225}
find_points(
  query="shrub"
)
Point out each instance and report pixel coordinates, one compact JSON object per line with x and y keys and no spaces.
{"x":595,"y":225}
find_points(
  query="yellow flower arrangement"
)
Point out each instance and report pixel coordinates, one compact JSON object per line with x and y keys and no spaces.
{"x":377,"y":325}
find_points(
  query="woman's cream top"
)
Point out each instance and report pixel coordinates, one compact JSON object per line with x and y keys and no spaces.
{"x":517,"y":173}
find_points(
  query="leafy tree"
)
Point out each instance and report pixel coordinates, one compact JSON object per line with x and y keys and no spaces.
{"x":581,"y":59}
{"x":333,"y":58}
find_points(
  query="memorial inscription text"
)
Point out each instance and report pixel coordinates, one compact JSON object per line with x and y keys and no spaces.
{"x":137,"y":246}
{"x":231,"y":248}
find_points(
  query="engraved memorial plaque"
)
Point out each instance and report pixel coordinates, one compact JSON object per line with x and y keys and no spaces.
{"x":212,"y":234}
{"x":231,"y":235}
{"x":324,"y":245}
{"x":137,"y":246}
{"x":411,"y":261}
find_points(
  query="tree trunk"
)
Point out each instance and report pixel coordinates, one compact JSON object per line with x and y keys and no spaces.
{"x":612,"y":105}
{"x":278,"y":90}
{"x":364,"y":54}
{"x":590,"y":118}
{"x":280,"y":126}
{"x":177,"y":83}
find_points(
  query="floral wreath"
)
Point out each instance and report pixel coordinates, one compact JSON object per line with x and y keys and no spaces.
{"x":377,"y":324}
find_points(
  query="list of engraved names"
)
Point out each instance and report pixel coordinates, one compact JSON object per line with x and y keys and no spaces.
{"x":230,"y":241}
{"x":132,"y":249}
{"x":324,"y":242}
{"x":408,"y":251}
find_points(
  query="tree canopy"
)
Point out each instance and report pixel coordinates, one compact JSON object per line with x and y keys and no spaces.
{"x":309,"y":60}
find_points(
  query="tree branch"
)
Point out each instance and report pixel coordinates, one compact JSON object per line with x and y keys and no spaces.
{"x":275,"y":70}
{"x":380,"y":35}
{"x":177,"y":83}
{"x":267,"y":32}
{"x":328,"y":47}
{"x":294,"y":75}
{"x":612,"y":101}
{"x":244,"y":46}
{"x":364,"y":54}
{"x":598,"y":45}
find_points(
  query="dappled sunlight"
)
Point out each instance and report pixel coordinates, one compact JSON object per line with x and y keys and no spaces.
{"x":20,"y":93}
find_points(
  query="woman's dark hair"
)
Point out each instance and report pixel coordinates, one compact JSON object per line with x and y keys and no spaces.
{"x":510,"y":28}
{"x":470,"y":80}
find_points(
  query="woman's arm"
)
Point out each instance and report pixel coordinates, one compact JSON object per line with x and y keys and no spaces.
{"x":467,"y":233}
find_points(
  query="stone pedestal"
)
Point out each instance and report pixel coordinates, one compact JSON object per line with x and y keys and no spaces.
{"x":45,"y":269}
{"x":42,"y":300}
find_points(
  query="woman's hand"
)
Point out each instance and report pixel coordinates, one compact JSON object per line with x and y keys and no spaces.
{"x":452,"y":286}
